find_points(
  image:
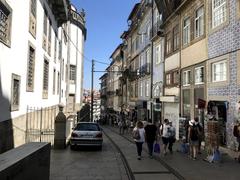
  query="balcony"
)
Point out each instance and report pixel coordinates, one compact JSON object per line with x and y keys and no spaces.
{"x":110,"y":93}
{"x":119,"y":92}
{"x":145,"y":69}
{"x":157,"y":30}
{"x":60,"y":10}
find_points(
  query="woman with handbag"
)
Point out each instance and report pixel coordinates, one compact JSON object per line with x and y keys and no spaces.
{"x":139,"y":138}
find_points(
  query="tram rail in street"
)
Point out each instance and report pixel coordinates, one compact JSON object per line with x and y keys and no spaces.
{"x":128,"y":169}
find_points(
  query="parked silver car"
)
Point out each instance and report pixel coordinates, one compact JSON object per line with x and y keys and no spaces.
{"x":86,"y":134}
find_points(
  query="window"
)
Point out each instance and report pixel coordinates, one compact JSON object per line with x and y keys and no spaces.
{"x":186,"y":103}
{"x":142,"y":60}
{"x":186,"y":78}
{"x":54,"y":81}
{"x":60,"y":50}
{"x":62,"y":73}
{"x":45,"y":23}
{"x":175,"y":77}
{"x":219,"y":71}
{"x":168,"y":79}
{"x":186,"y":31}
{"x":148,"y":31}
{"x":72,"y":74}
{"x":141,"y":88}
{"x":147,"y":88}
{"x":55,"y":48}
{"x":199,"y":75}
{"x":15,"y":96}
{"x":148,"y":56}
{"x":45,"y":78}
{"x":58,"y":83}
{"x":30,"y":68}
{"x":49,"y":37}
{"x":219,"y":12}
{"x":5,"y":23}
{"x":158,"y":54}
{"x":168,"y":43}
{"x":33,"y":14}
{"x":44,"y":45}
{"x":175,"y":38}
{"x":136,"y":90}
{"x":199,"y":22}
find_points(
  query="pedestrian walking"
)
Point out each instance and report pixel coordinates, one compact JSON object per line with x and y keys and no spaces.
{"x":150,"y":137}
{"x":236,"y":133}
{"x":139,"y":137}
{"x":193,"y":134}
{"x":172,"y":137}
{"x":200,"y":135}
{"x":165,"y":133}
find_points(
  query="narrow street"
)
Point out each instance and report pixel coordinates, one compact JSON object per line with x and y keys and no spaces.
{"x":91,"y":164}
{"x":87,"y":164}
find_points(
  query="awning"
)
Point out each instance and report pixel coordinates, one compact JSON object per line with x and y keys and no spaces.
{"x":173,"y":99}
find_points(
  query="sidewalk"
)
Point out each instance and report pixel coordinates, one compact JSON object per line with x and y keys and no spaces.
{"x":189,"y":169}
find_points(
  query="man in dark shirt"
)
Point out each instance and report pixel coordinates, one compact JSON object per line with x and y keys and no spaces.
{"x":151,"y":134}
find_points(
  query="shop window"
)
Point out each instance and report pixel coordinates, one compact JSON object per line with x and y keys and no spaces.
{"x":186,"y":102}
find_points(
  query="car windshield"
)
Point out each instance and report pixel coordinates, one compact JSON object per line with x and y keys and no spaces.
{"x":87,"y":127}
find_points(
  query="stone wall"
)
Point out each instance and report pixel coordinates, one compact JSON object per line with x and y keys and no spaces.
{"x":27,"y":162}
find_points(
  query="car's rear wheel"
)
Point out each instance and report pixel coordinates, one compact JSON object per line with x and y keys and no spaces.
{"x":72,"y":147}
{"x":100,"y":148}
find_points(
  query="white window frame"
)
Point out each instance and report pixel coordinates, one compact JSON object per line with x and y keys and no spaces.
{"x":186,"y":77}
{"x":198,"y":72}
{"x":141,"y":88}
{"x":222,"y":71}
{"x":219,"y":12}
{"x":186,"y":31}
{"x":147,"y":88}
{"x":158,"y":53}
{"x":199,"y":22}
{"x":148,"y":55}
{"x":141,"y":60}
{"x":168,"y":79}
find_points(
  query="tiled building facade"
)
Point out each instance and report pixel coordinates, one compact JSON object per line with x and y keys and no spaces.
{"x":223,"y":46}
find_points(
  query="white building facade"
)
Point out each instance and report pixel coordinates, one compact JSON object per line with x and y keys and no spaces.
{"x":41,"y":62}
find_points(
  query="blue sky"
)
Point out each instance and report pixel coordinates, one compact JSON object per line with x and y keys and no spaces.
{"x":105,"y":22}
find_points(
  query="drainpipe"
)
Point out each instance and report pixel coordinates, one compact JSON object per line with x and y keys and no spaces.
{"x":151,"y":97}
{"x":68,"y":65}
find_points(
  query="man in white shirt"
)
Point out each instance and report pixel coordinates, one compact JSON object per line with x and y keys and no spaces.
{"x":165,"y":133}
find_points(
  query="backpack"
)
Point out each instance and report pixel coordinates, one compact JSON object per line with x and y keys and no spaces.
{"x":136,"y":134}
{"x":235,"y":131}
{"x":194,"y":133}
